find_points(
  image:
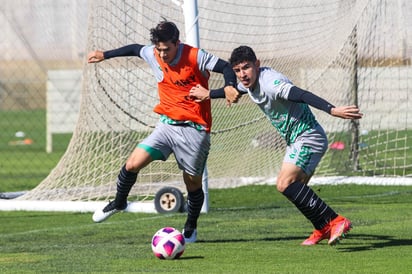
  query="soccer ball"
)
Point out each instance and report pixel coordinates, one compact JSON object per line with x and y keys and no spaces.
{"x":168,"y":243}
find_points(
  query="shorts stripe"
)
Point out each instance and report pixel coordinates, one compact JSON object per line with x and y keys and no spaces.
{"x":154,"y":153}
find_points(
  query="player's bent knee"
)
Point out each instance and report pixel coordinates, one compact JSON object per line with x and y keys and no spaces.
{"x":133,"y":166}
{"x":281,"y":185}
{"x":138,"y":160}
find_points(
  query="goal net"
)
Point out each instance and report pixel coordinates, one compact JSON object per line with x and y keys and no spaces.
{"x":348,"y":52}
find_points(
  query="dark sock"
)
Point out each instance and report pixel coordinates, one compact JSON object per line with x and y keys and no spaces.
{"x":125,"y":181}
{"x":194,"y":206}
{"x":306,"y":200}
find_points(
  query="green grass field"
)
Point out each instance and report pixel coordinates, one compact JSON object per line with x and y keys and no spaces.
{"x":249,"y":229}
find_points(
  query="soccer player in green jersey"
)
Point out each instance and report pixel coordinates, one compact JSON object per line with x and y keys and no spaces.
{"x":287,"y":108}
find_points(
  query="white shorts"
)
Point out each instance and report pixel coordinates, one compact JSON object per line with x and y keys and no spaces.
{"x":189,"y":145}
{"x":307,"y":150}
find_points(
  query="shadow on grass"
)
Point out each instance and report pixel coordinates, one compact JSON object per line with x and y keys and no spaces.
{"x":364,"y":242}
{"x":190,"y":257}
{"x":246,"y":208}
{"x":266,"y":239}
{"x":369,"y":242}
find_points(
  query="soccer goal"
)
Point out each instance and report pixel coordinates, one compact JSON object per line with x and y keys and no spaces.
{"x":349,"y":52}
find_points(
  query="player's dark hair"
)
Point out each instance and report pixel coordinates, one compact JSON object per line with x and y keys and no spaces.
{"x":242,"y":54}
{"x":165,"y":31}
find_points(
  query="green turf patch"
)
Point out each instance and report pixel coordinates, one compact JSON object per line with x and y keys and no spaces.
{"x":250,"y":229}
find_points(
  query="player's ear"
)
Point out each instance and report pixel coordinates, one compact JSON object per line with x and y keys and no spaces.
{"x":257,"y":63}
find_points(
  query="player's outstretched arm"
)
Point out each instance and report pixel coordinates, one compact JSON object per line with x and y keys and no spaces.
{"x":346,"y":112}
{"x":129,"y":50}
{"x":302,"y":96}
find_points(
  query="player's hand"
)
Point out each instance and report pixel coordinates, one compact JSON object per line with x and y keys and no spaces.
{"x":199,"y":93}
{"x":95,"y":56}
{"x":232,"y":95}
{"x":346,"y":112}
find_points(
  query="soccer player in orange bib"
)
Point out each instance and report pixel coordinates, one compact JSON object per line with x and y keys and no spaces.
{"x":184,"y":125}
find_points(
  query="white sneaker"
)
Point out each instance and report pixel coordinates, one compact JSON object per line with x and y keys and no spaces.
{"x":190,"y":238}
{"x":102,"y":214}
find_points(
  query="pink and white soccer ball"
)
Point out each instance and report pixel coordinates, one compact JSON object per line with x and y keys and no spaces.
{"x":168,"y":243}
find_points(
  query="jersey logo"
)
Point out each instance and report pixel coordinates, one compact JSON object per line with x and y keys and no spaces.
{"x":185,"y":82}
{"x":276,"y":82}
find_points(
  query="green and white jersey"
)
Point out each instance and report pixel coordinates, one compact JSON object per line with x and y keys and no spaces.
{"x":271,"y":95}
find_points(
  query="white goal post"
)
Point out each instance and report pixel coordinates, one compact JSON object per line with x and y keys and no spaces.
{"x":348,"y":52}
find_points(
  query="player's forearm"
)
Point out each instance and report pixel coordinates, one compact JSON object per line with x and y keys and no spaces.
{"x":217,"y":93}
{"x":227,"y":71}
{"x":220,"y":93}
{"x":129,"y":50}
{"x":299,"y":95}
